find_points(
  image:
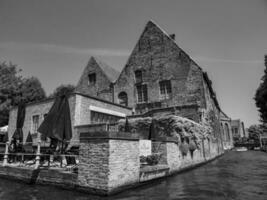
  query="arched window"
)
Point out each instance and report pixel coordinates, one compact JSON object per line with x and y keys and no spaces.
{"x":123,"y":98}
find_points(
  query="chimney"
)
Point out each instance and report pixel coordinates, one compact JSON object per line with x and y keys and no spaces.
{"x":172,"y":36}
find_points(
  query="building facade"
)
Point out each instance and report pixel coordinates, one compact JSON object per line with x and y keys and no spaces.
{"x":158,"y":78}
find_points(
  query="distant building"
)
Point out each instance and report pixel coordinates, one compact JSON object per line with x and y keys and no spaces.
{"x":238,"y":129}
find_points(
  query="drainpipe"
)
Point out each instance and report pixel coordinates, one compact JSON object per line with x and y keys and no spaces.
{"x":112,"y":91}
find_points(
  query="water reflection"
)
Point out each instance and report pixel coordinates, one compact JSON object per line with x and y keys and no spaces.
{"x":236,"y":175}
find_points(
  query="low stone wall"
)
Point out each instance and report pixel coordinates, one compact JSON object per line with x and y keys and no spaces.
{"x":148,"y":173}
{"x":57,"y":177}
{"x":18,"y":173}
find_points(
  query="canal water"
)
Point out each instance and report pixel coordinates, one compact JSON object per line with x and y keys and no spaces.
{"x":235,"y":175}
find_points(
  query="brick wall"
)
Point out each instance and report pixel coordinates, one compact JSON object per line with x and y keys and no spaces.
{"x":159,"y":58}
{"x":107,"y":165}
{"x":94,"y":164}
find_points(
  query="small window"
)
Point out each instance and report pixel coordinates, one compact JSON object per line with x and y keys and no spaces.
{"x":92,"y":79}
{"x":138,"y":76}
{"x":35,"y":123}
{"x":165,"y":89}
{"x":141,"y":93}
{"x":45,"y":115}
{"x":123,"y":98}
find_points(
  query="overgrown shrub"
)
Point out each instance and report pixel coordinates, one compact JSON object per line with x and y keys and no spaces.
{"x":136,"y":125}
{"x":192,"y":145}
{"x":184,"y":148}
{"x":152,"y":159}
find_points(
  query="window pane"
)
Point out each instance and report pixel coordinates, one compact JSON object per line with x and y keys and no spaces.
{"x":142,"y":93}
{"x":92,"y":78}
{"x":165,"y":89}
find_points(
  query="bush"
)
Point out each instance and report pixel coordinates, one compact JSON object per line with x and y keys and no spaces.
{"x":192,"y":145}
{"x":153,"y":159}
{"x":150,"y":159}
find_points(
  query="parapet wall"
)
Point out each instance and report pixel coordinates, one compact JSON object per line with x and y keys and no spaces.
{"x":108,"y":162}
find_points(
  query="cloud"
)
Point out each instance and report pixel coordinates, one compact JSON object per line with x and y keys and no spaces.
{"x":52,"y":48}
{"x":219,"y":60}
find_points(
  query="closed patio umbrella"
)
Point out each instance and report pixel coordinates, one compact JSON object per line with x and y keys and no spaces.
{"x":57,"y":124}
{"x":18,"y":134}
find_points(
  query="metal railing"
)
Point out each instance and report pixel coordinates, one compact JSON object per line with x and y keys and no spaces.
{"x":37,"y":157}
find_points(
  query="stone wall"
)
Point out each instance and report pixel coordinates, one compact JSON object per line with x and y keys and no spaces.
{"x":57,"y":178}
{"x":177,"y":162}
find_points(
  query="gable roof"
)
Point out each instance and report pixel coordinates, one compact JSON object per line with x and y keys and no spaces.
{"x":110,"y":72}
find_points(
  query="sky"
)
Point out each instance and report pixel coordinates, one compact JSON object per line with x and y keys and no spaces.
{"x":54,"y":39}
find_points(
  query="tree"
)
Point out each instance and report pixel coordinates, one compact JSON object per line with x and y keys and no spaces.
{"x":63,"y":89}
{"x":255,"y":131}
{"x":261,"y":95}
{"x":15,"y":89}
{"x":31,"y":90}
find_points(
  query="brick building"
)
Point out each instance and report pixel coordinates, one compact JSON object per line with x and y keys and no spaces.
{"x":158,"y":78}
